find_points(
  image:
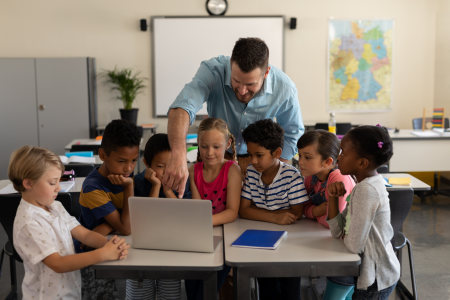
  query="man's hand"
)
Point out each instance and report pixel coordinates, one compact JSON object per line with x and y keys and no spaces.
{"x":176,"y":174}
{"x":150,"y":175}
{"x":284,"y":218}
{"x":320,"y":210}
{"x":336,"y":189}
{"x":120,"y":180}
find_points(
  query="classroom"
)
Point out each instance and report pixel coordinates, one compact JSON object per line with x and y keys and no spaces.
{"x":59,"y":64}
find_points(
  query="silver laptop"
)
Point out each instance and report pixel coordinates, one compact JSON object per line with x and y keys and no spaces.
{"x":172,"y":224}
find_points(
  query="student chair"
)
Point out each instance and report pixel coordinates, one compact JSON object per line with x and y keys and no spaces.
{"x":381,"y":169}
{"x":9,"y":204}
{"x":417,"y":124}
{"x":93,"y":148}
{"x":81,"y":170}
{"x":400,"y":202}
{"x":341,"y":128}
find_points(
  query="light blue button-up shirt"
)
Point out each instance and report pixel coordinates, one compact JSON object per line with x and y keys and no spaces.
{"x":277,"y":99}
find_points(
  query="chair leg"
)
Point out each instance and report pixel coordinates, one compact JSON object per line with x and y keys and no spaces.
{"x":12,"y":267}
{"x":1,"y":261}
{"x":401,"y":285}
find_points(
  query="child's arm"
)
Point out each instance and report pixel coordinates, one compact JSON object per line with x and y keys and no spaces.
{"x":194,"y":190}
{"x":297,"y":195}
{"x":336,"y":220}
{"x":298,"y":210}
{"x":281,"y":217}
{"x":121,"y":222}
{"x":233,"y":197}
{"x":103,"y":229}
{"x":112,"y":250}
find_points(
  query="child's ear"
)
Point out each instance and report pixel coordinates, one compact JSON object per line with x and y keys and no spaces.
{"x":327,"y":162}
{"x":364,"y":163}
{"x":27,"y":184}
{"x":145,"y":163}
{"x":102,"y":154}
{"x":277,"y":153}
{"x":229,"y":144}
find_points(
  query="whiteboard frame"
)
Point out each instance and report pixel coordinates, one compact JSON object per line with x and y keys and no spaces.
{"x":200,"y":116}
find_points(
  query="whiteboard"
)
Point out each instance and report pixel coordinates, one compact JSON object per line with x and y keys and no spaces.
{"x":180,"y":44}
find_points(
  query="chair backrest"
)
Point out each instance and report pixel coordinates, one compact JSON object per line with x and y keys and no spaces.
{"x":417,"y":122}
{"x":380,"y":169}
{"x":341,"y":128}
{"x":81,"y":170}
{"x":93,"y":148}
{"x":9,"y":204}
{"x":400,"y":202}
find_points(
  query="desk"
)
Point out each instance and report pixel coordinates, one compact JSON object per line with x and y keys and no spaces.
{"x":419,"y":154}
{"x":75,"y":189}
{"x":416,"y":184}
{"x":308,"y":250}
{"x":152,"y":129}
{"x":68,"y":147}
{"x":155,"y":264}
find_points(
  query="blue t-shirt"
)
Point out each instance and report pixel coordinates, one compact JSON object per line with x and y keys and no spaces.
{"x":98,"y":198}
{"x":142,"y":187}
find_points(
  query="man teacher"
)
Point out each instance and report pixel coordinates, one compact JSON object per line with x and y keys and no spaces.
{"x":240,"y":90}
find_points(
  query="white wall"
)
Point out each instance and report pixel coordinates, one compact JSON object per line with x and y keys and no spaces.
{"x":109,"y":31}
{"x":442,"y":72}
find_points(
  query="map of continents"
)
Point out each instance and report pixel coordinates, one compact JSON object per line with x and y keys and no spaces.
{"x":360,"y":65}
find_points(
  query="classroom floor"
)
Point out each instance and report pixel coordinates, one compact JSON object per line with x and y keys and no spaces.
{"x":426,"y":227}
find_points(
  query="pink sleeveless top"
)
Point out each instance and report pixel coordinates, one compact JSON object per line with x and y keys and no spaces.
{"x":215,"y":191}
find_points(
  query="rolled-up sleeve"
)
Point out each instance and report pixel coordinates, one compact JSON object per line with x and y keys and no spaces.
{"x":292,"y":123}
{"x":196,"y":92}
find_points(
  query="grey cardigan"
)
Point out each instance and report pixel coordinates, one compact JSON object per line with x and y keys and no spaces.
{"x":370,"y":233}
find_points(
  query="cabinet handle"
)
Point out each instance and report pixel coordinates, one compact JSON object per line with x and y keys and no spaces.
{"x":41,"y":107}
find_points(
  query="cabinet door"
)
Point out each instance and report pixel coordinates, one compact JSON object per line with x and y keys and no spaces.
{"x":63,"y":101}
{"x":18,"y":117}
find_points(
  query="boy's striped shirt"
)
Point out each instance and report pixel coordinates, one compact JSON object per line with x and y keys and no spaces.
{"x":287,"y":188}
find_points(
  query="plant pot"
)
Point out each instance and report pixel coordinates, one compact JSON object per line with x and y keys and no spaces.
{"x":129,"y":114}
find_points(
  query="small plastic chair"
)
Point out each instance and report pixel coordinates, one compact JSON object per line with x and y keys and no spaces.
{"x":81,"y":170}
{"x":417,"y":122}
{"x":400,"y":202}
{"x":341,"y":128}
{"x":93,"y":148}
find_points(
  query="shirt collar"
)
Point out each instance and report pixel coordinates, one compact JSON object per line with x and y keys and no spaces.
{"x":267,"y":85}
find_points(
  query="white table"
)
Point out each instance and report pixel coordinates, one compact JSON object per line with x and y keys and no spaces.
{"x":308,"y":250}
{"x":156,"y":264}
{"x":75,"y":189}
{"x":416,"y":184}
{"x":153,"y":128}
{"x":419,"y":154}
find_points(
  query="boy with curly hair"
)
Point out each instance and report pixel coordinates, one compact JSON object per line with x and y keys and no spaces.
{"x":104,"y":198}
{"x":273,"y":192}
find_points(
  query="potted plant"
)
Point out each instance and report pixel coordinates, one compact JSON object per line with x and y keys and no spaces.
{"x":129,"y":85}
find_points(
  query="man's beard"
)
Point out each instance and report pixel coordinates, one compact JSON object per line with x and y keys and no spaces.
{"x":250,"y":94}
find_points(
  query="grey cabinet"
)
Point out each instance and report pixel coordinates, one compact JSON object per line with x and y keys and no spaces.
{"x":45,"y":102}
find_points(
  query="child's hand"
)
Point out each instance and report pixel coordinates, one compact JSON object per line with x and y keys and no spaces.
{"x":115,"y":248}
{"x":320,"y":210}
{"x":284,"y":218}
{"x":150,"y":175}
{"x":336,"y":189}
{"x":120,"y":180}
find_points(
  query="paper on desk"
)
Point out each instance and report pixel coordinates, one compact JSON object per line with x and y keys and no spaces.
{"x":427,"y":133}
{"x":441,"y":131}
{"x":400,"y":181}
{"x":9,"y":189}
{"x":192,"y":156}
{"x":99,"y":142}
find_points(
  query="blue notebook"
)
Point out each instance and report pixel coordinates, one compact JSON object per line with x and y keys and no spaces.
{"x":261,"y":239}
{"x":387,"y":182}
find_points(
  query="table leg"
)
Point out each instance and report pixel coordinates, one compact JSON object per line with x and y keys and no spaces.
{"x":210,"y":286}
{"x":241,"y":284}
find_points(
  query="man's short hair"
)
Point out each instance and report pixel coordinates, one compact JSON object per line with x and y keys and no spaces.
{"x":265,"y":133}
{"x":118,"y":134}
{"x":156,"y":144}
{"x":249,"y":54}
{"x":31,"y":163}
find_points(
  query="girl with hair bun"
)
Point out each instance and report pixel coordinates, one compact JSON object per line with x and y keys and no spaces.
{"x":365,"y":224}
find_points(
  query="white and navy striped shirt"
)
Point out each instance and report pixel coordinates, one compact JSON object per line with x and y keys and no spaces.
{"x":287,"y":188}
